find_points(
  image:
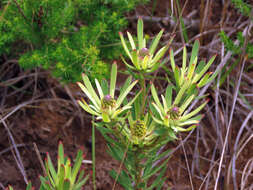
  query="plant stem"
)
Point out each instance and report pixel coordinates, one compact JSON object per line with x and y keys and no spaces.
{"x":93,"y":155}
{"x":138,"y":169}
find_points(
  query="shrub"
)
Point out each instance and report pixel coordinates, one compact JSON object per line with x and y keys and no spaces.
{"x":67,"y":37}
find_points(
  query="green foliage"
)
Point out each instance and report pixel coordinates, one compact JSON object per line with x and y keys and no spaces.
{"x":136,"y":129}
{"x":236,"y":49}
{"x":65,"y":177}
{"x":243,"y":7}
{"x":67,"y":37}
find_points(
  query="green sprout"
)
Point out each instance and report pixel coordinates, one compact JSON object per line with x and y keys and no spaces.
{"x":105,"y":106}
{"x":144,"y":59}
{"x":65,"y":177}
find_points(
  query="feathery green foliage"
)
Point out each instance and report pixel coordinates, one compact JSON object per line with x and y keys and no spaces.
{"x":243,"y":7}
{"x":67,"y":37}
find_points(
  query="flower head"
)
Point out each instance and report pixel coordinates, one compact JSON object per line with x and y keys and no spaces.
{"x":106,"y":107}
{"x":174,"y":115}
{"x":144,"y":59}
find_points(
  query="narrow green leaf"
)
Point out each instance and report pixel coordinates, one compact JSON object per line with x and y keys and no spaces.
{"x":158,"y":179}
{"x":164,"y":103}
{"x":105,"y":87}
{"x":100,"y":91}
{"x":115,"y":152}
{"x":129,"y":66}
{"x":81,"y":183}
{"x":122,"y":179}
{"x":61,"y":153}
{"x":159,"y":111}
{"x":68,"y":168}
{"x":186,"y":104}
{"x":168,"y":95}
{"x":155,"y":97}
{"x":125,"y":46}
{"x":155,"y":170}
{"x":45,"y":184}
{"x":187,"y":129}
{"x":155,"y":42}
{"x":200,"y":67}
{"x":131,"y":40}
{"x":194,"y":54}
{"x":145,"y":62}
{"x":212,"y":77}
{"x":136,"y":59}
{"x":60,"y":159}
{"x":194,"y":112}
{"x":66,"y":185}
{"x":140,"y":33}
{"x":77,"y":165}
{"x":89,"y":95}
{"x":191,"y":69}
{"x":204,"y":80}
{"x":51,"y":168}
{"x":204,"y":69}
{"x":86,"y":107}
{"x":184,"y":59}
{"x":157,"y":120}
{"x":60,"y":178}
{"x":193,"y":120}
{"x":172,"y":61}
{"x":126,"y":84}
{"x":133,"y":100}
{"x":124,"y":94}
{"x":113,"y":79}
{"x":159,"y":54}
{"x":181,"y":92}
{"x":177,"y":77}
{"x":91,"y":89}
{"x":29,"y":186}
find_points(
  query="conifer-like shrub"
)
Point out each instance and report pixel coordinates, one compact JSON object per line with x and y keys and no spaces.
{"x":67,"y":37}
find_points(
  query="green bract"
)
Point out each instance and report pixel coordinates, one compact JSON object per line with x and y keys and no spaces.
{"x":105,"y":106}
{"x":143,"y":59}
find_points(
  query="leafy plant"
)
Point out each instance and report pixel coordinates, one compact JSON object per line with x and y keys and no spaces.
{"x":67,"y":37}
{"x":65,"y":177}
{"x":243,"y":7}
{"x":229,"y":44}
{"x":136,"y":131}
